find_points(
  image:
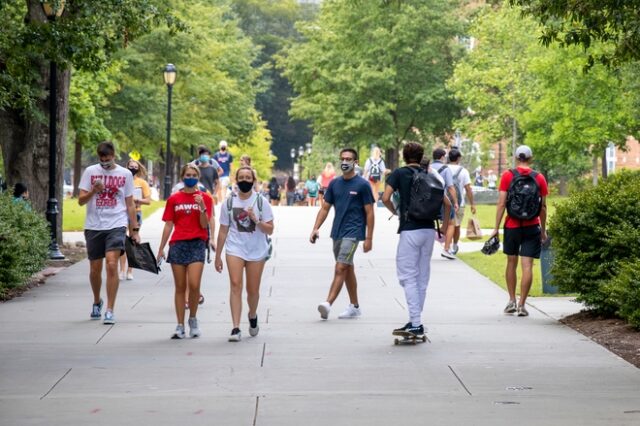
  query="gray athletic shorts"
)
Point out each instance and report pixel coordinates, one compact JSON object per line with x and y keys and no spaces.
{"x":344,"y":250}
{"x":100,"y":242}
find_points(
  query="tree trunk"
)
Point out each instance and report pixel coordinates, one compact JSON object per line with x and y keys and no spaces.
{"x":605,"y":170}
{"x":25,"y":145}
{"x":77,"y":166}
{"x":391,"y":157}
{"x":594,"y":170}
{"x":563,"y":187}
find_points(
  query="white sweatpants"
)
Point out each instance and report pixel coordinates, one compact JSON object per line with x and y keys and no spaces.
{"x":413,"y":264}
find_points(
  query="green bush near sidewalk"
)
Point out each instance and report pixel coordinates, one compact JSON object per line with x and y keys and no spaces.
{"x":24,"y":243}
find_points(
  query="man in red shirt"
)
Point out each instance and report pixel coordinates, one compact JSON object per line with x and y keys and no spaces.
{"x":522,"y":237}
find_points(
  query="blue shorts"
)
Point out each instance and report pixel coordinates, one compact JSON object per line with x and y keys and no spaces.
{"x":187,"y":252}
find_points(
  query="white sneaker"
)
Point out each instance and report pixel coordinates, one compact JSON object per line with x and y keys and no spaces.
{"x":448,"y":255}
{"x":122,"y":276}
{"x":350,"y":312}
{"x":129,"y":276}
{"x":324,"y":308}
{"x":179,"y":333}
{"x":194,"y":330}
{"x":455,"y":249}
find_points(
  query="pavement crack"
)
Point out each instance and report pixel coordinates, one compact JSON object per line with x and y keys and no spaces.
{"x":105,"y":333}
{"x":255,"y":413}
{"x":400,"y":303}
{"x":384,"y":284}
{"x":268,"y":313}
{"x":55,"y":384}
{"x":136,"y":304}
{"x":264,"y":348}
{"x":459,"y":380}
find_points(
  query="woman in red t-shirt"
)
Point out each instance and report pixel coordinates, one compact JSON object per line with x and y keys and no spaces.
{"x":327,"y":175}
{"x":187,"y":215}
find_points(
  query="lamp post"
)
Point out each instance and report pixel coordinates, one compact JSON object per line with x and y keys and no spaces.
{"x":52,"y":12}
{"x":169,"y":80}
{"x":293,"y":156}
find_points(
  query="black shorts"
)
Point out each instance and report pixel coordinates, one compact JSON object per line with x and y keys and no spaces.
{"x":187,"y":252}
{"x":100,"y":242}
{"x":524,"y":241}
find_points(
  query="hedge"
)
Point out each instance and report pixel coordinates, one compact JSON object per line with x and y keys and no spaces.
{"x":24,"y":243}
{"x":596,"y":235}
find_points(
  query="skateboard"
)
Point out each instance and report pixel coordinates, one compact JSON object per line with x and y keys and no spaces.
{"x":408,"y":338}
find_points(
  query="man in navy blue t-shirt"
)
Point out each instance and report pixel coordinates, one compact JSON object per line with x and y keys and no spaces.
{"x":352,"y":199}
{"x":224,"y":159}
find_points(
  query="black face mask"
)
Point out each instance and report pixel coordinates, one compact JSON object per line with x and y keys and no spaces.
{"x":245,"y":186}
{"x":134,"y":171}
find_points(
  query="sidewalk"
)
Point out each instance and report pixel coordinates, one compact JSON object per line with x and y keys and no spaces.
{"x":479,"y":367}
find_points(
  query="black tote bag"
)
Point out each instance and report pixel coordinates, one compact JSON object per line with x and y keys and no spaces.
{"x":140,"y":256}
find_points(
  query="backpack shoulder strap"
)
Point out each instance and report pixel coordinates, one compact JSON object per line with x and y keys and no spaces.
{"x":260,"y":200}
{"x":442,"y":168}
{"x":230,"y":204}
{"x":458,"y":172}
{"x":515,"y":172}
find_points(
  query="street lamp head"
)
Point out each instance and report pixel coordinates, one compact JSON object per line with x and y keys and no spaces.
{"x":308,"y":148}
{"x":293,"y":153}
{"x":170,"y":74}
{"x":300,"y":151}
{"x":53,"y":9}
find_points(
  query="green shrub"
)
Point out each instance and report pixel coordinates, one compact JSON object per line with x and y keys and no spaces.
{"x":595,"y":233}
{"x":24,"y":242}
{"x":624,"y":292}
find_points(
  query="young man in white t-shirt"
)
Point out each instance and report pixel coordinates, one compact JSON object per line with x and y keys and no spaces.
{"x":462,"y":179}
{"x":107,"y":190}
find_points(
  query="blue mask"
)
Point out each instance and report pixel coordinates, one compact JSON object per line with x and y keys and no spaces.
{"x":204,"y":158}
{"x":190,"y":182}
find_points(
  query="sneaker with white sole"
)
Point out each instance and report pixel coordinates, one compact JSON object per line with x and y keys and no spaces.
{"x":448,"y":254}
{"x":236,"y":335}
{"x":109,"y":319}
{"x":324,"y":308}
{"x":455,"y":248}
{"x":511,"y":307}
{"x":122,"y":276}
{"x":253,"y":326}
{"x":194,"y":330}
{"x":522,"y":311}
{"x":96,"y":310}
{"x":179,"y":333}
{"x":129,"y":276}
{"x":350,"y":312}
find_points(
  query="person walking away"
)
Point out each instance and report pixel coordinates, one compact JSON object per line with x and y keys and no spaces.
{"x":290,"y":186}
{"x":444,"y":171}
{"x":374,"y":170}
{"x":21,"y":195}
{"x":479,"y":181}
{"x":523,"y":193}
{"x":187,"y":215}
{"x":141,"y":196}
{"x":491,"y":180}
{"x":224,"y":159}
{"x":327,"y":175}
{"x":417,"y":231}
{"x":246,"y":221}
{"x":462,"y":186}
{"x":107,"y":191}
{"x":353,"y":221}
{"x":312,"y":186}
{"x":210,"y":170}
{"x":274,"y":191}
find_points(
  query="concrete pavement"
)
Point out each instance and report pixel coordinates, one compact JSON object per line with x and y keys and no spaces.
{"x":479,"y":367}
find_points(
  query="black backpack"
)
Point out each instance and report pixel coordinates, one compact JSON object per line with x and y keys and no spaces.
{"x":523,"y":196}
{"x":425,"y":198}
{"x":374,"y":171}
{"x":274,"y":190}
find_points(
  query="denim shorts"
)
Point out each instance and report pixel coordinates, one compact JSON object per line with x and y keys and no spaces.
{"x":187,"y":252}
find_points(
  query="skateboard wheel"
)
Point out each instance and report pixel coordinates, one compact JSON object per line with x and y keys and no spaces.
{"x":396,"y":341}
{"x":424,"y":339}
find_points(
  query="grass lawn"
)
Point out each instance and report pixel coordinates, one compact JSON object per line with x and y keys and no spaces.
{"x":487,"y":213}
{"x":73,"y":214}
{"x":493,"y":268}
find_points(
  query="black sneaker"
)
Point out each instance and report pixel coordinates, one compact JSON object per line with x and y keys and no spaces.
{"x":417,"y":331}
{"x":402,"y":329}
{"x":253,"y":326}
{"x":235,"y":335}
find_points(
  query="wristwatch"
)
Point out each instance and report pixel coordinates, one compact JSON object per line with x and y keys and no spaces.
{"x":135,"y":229}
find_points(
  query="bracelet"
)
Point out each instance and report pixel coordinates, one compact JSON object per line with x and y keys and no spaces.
{"x":135,"y":229}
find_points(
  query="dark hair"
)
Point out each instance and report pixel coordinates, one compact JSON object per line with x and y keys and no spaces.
{"x":253,"y":175}
{"x":106,"y":148}
{"x":412,"y":152}
{"x":202,"y":149}
{"x":274,"y":180}
{"x":291,"y":184}
{"x":351,"y":150}
{"x":425,"y":164}
{"x":438,"y":153}
{"x":19,"y":189}
{"x":454,"y":155}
